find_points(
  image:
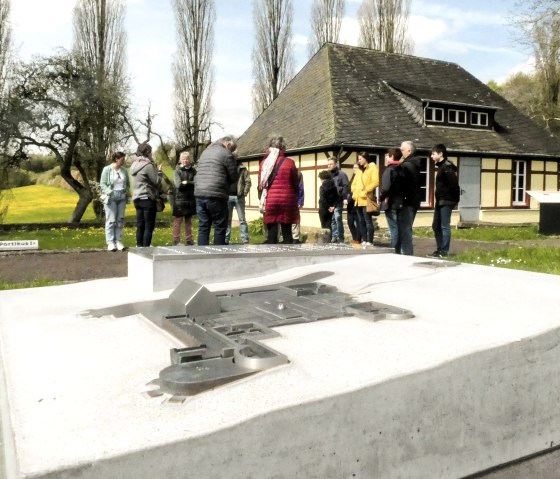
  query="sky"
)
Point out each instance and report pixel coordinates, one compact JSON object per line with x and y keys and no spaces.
{"x":475,"y":34}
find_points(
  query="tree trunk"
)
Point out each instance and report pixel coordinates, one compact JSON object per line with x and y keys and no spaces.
{"x":83,"y":202}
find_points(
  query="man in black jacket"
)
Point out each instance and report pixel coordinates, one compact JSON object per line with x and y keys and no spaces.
{"x":447,"y":196}
{"x":412,"y":195}
{"x":216,"y":172}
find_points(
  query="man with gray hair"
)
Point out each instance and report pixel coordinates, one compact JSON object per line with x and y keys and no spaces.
{"x":412,"y":196}
{"x":216,"y":172}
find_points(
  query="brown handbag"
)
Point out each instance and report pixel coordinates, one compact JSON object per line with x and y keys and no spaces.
{"x":372,"y":206}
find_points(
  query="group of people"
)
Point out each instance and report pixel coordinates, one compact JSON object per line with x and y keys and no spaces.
{"x":115,"y":186}
{"x":400,"y":196}
{"x":219,"y":185}
{"x":337,"y":191}
{"x":211,"y":191}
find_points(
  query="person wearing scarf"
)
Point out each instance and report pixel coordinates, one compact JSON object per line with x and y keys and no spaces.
{"x":278,"y":188}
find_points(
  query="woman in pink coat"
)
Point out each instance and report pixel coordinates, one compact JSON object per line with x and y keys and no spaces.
{"x":278,"y":186}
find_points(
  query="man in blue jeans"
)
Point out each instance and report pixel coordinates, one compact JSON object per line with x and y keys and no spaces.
{"x":216,"y":172}
{"x":343,"y":187}
{"x":237,"y":194}
{"x":447,"y":196}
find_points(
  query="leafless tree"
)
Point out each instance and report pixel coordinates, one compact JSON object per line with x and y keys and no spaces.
{"x":273,"y":61}
{"x":538,"y":22}
{"x":193,"y":75}
{"x":5,"y":65}
{"x":384,"y":24}
{"x":100,"y":40}
{"x":5,"y":43}
{"x":326,"y":20}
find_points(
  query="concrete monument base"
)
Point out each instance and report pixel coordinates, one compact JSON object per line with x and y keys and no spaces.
{"x":470,"y":383}
{"x":161,"y":268}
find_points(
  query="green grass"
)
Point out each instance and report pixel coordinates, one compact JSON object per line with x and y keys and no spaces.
{"x":93,"y":237}
{"x":538,"y":259}
{"x":36,"y":283}
{"x":42,"y":204}
{"x":488,"y":233}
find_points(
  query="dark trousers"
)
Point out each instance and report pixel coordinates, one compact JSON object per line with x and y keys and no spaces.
{"x":442,"y":227}
{"x":366,"y":224}
{"x":145,"y":221}
{"x":212,"y":211}
{"x":325,"y":216}
{"x":405,"y":220}
{"x":272,"y":233}
{"x":353,"y":223}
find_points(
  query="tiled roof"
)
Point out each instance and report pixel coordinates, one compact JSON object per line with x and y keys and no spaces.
{"x":359,"y":98}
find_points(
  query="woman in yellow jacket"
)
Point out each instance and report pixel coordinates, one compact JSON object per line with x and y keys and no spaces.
{"x":366,"y":180}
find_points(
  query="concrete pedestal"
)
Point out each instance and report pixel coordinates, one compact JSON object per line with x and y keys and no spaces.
{"x":468,"y":384}
{"x":161,"y":268}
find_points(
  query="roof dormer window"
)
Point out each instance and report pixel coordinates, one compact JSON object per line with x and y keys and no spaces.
{"x":458,"y":117}
{"x":434,"y":114}
{"x":440,"y":114}
{"x":479,"y":119}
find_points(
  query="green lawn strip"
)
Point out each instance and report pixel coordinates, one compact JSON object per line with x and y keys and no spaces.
{"x":488,"y":233}
{"x":42,"y":203}
{"x":93,"y":237}
{"x":36,"y":283}
{"x":537,"y":259}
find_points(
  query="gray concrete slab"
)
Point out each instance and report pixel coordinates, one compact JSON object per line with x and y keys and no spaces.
{"x":471,"y":382}
{"x":164,"y":267}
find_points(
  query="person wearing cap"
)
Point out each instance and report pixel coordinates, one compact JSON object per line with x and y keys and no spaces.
{"x":146,"y":182}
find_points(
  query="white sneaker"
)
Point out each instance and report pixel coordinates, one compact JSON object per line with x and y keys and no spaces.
{"x":111,"y":247}
{"x":120,"y":246}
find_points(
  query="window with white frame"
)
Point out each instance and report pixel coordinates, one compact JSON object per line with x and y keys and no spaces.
{"x":519,"y":183}
{"x":434,"y":114}
{"x":424,"y":183}
{"x":457,"y":116}
{"x":479,"y":119}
